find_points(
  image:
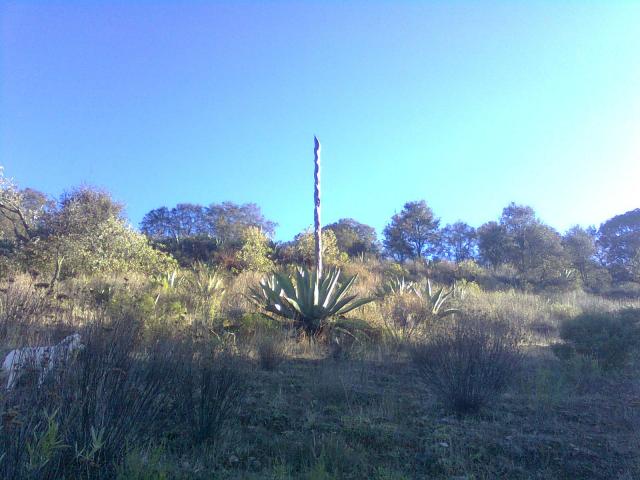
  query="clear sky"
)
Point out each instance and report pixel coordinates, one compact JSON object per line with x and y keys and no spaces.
{"x":468,"y":105}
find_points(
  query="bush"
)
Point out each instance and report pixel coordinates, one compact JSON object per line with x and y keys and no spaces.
{"x":210,"y":385}
{"x":111,"y":397}
{"x":609,"y":338}
{"x":270,"y":350}
{"x":469,"y":361}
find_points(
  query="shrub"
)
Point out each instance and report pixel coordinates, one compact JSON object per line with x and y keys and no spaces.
{"x":255,"y":251}
{"x":111,"y":398}
{"x":210,"y":384}
{"x":609,"y":338}
{"x":469,"y":361}
{"x":270,"y":350}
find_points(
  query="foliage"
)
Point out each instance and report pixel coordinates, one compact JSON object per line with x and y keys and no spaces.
{"x":255,"y":251}
{"x":225,"y":222}
{"x":109,"y":247}
{"x":469,"y":362}
{"x":354,"y":238}
{"x":619,"y":241}
{"x":270,"y":349}
{"x":607,"y":337}
{"x":458,"y":242}
{"x":412,"y":233}
{"x":396,"y":286}
{"x":580,"y":247}
{"x":207,"y":288}
{"x":20,"y":210}
{"x":310,"y":301}
{"x":408,"y":307}
{"x":304,"y":249}
{"x":435,"y":300}
{"x":212,"y":384}
{"x":534,"y":249}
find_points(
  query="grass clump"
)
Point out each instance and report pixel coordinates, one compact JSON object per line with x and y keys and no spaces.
{"x":606,"y":337}
{"x":270,"y":351}
{"x":469,"y":362}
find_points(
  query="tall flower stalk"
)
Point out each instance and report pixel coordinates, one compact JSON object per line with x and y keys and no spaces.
{"x":316,"y":208}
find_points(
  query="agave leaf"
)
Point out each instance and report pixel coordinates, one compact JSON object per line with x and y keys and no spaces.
{"x":355,"y":304}
{"x":307,"y":299}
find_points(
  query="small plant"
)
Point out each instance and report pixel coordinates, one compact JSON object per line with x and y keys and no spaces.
{"x":211,"y":387}
{"x":206,"y":286}
{"x":270,"y":351}
{"x":435,"y":301}
{"x":469,"y":362}
{"x":608,"y":338}
{"x":396,"y":286}
{"x":165,"y":283}
{"x":45,"y":446}
{"x":407,"y":308}
{"x":308,"y":300}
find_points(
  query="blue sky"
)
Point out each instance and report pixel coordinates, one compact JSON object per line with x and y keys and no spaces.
{"x":466,"y":105}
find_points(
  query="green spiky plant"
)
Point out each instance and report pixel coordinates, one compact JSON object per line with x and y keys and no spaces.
{"x":396,"y":286}
{"x":307,"y":300}
{"x":313,"y":297}
{"x":206,"y":286}
{"x":436,"y":300}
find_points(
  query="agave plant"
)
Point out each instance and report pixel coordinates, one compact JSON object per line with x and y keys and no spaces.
{"x":396,"y":286}
{"x":207,"y":289}
{"x":165,"y":283}
{"x":310,"y":301}
{"x":435,"y":301}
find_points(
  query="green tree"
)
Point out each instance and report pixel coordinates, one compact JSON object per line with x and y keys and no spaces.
{"x":412,"y":233}
{"x":20,"y":211}
{"x":255,"y":251}
{"x":458,"y":242}
{"x":619,"y":240}
{"x":534,"y":249}
{"x":229,"y":220}
{"x":354,"y":238}
{"x":492,"y":242}
{"x":86,"y":233}
{"x":580,"y":248}
{"x":304,"y":248}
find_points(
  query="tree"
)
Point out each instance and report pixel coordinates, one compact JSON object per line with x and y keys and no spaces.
{"x":521,"y":240}
{"x":580,"y":248}
{"x":86,"y":233}
{"x":542,"y":257}
{"x":182,"y":221}
{"x":354,"y":238}
{"x":458,"y":242}
{"x":255,"y":251}
{"x":20,"y":210}
{"x":113,"y":247}
{"x":192,"y":233}
{"x":516,"y":217}
{"x":492,"y":238}
{"x":225,"y":222}
{"x":619,"y":240}
{"x":412,"y":233}
{"x":229,"y":220}
{"x":302,"y":249}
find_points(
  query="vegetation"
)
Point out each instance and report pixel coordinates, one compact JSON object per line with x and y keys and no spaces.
{"x":506,"y":351}
{"x":607,"y":337}
{"x":309,"y":300}
{"x":469,"y":362}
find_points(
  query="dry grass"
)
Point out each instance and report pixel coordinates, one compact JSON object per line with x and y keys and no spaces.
{"x":169,"y":401}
